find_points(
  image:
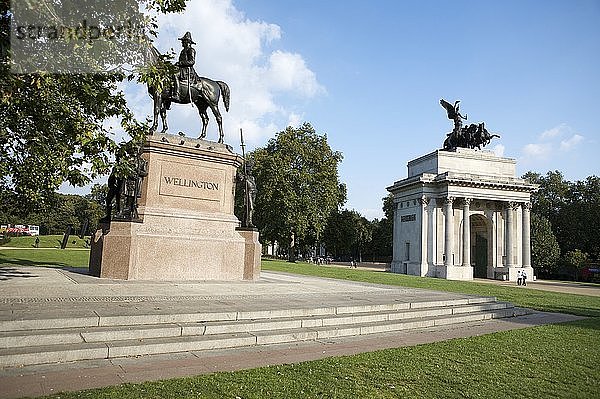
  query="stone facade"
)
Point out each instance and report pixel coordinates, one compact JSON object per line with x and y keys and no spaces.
{"x":187,"y":230}
{"x":460,"y":215}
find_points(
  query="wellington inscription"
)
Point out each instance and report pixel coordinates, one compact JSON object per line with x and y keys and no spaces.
{"x":187,"y":181}
{"x":178,"y":181}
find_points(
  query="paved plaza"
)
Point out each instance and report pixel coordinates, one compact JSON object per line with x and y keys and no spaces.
{"x":37,"y":293}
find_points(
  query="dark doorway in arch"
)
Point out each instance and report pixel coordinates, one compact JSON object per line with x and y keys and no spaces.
{"x":479,"y":237}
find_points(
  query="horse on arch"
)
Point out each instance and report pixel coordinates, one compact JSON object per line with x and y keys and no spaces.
{"x":204,"y":93}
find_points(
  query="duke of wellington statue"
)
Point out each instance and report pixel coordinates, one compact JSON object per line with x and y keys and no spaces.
{"x":171,"y":217}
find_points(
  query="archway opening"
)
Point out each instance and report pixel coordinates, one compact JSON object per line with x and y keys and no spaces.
{"x":479,"y":245}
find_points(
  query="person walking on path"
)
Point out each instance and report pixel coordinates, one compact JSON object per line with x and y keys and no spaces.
{"x":519,"y":277}
{"x":524,"y":277}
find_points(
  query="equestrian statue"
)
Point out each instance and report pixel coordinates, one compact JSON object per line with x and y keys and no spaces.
{"x":474,"y":135}
{"x":188,"y":88}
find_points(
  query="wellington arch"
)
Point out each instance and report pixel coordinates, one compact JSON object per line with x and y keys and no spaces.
{"x":462,"y":214}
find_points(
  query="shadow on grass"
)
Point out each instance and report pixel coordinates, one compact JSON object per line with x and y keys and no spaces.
{"x":28,"y":262}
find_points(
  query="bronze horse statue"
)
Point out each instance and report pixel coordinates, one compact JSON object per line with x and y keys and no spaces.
{"x":200,"y":91}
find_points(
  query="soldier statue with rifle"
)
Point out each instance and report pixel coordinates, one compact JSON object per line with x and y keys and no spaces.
{"x":249,"y":187}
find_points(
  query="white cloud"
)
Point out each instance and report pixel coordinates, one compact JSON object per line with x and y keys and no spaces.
{"x":556,"y":131}
{"x":498,"y":150}
{"x":294,"y":120}
{"x":240,"y":51}
{"x":549,"y":143}
{"x":569,"y":144}
{"x":288,"y":71}
{"x":537,"y":150}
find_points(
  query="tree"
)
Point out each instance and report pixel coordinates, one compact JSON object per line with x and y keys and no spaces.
{"x":581,"y":215}
{"x":52,"y":126}
{"x":545,"y":251}
{"x":347,"y":234}
{"x":575,"y":260}
{"x":380,"y":247}
{"x":98,"y":194}
{"x":571,"y":208}
{"x":298,"y":186}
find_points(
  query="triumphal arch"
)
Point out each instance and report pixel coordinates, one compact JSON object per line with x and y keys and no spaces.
{"x":462,"y":212}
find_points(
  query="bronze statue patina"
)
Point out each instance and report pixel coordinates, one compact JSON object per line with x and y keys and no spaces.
{"x":245,"y":175}
{"x":125,"y":191}
{"x":187,"y":59}
{"x":474,"y":135}
{"x":188,"y":88}
{"x":250,"y":190}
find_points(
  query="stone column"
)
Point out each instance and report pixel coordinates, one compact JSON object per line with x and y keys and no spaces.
{"x":424,"y":201}
{"x":432,"y":239}
{"x":508,"y":240}
{"x":466,"y":249}
{"x":448,"y":232}
{"x":526,"y":208}
{"x":397,"y":265}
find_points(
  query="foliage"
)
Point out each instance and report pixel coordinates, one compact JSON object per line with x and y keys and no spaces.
{"x":380,"y":247}
{"x":298,"y":186}
{"x":576,"y":260}
{"x":65,"y":210}
{"x":545,"y":251}
{"x":53,"y":126}
{"x":572,"y":208}
{"x":98,"y":194}
{"x":346,"y":234}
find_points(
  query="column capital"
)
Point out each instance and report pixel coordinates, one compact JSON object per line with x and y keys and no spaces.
{"x":424,"y":201}
{"x":467,"y":201}
{"x":510,"y":205}
{"x":448,"y":200}
{"x":526,"y":206}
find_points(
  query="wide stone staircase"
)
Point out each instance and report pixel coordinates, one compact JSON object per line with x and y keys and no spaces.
{"x":36,"y":340}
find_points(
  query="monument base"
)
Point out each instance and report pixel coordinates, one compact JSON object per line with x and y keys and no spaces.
{"x":252,"y":252}
{"x":463,"y":273}
{"x":172,"y":247}
{"x":398,"y":267}
{"x":187,"y":229}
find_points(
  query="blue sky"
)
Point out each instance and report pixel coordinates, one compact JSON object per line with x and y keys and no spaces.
{"x":370,"y":74}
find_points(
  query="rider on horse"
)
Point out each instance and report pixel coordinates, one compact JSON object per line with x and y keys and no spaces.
{"x":187,"y":59}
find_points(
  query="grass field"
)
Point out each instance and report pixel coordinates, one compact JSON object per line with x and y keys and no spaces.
{"x":541,"y":300}
{"x":52,"y":241}
{"x":554,"y":361}
{"x":44,"y":257}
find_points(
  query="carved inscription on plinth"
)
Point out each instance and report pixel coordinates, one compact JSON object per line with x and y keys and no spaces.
{"x":190,"y":181}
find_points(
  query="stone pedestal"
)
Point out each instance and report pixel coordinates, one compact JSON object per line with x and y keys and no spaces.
{"x":252,"y":251}
{"x":455,"y":272}
{"x":187,"y":229}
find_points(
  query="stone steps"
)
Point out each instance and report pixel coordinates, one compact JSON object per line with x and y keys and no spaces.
{"x":61,"y":340}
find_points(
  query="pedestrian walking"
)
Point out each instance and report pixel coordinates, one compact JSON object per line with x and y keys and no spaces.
{"x":524,"y":277}
{"x":519,"y":277}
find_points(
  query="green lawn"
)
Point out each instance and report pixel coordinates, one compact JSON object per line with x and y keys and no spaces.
{"x":52,"y":241}
{"x":44,"y":257}
{"x":554,"y":361}
{"x":541,"y":300}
